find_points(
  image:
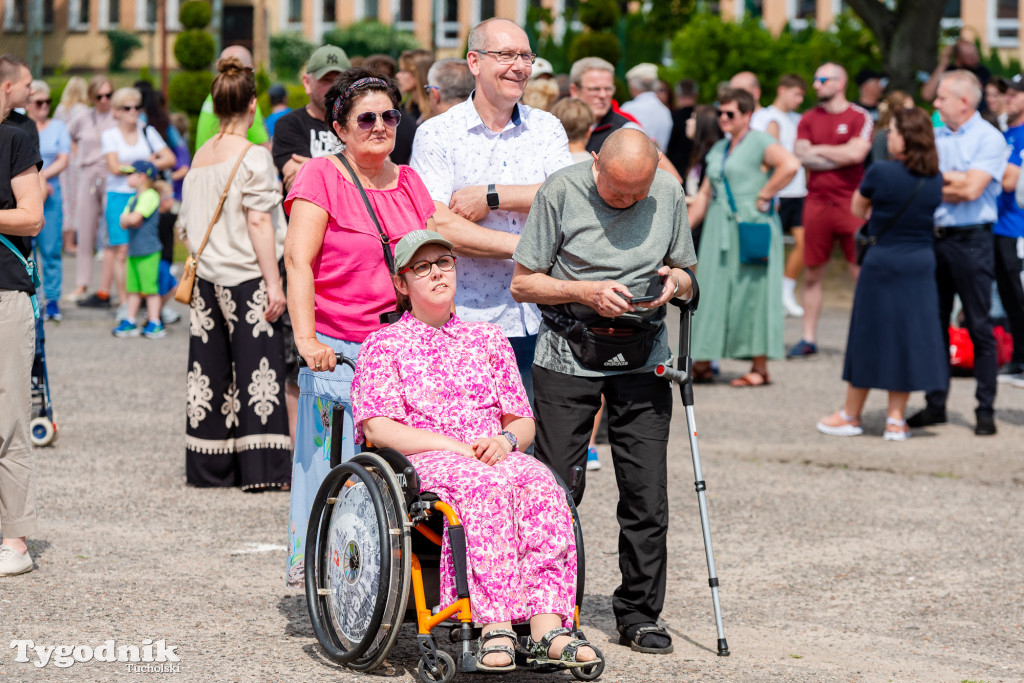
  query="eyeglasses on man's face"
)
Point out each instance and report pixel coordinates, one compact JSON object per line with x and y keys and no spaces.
{"x":510,"y":56}
{"x":422,"y":268}
{"x":368,"y":119}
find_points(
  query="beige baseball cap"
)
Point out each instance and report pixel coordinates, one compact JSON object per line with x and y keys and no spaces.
{"x":410,"y":244}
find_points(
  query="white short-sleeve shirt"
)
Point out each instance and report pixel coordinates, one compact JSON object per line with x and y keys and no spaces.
{"x":456,"y":150}
{"x":113,"y":141}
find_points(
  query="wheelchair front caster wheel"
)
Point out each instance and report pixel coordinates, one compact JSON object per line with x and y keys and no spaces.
{"x":445,"y":669}
{"x":43,"y":432}
{"x":592,"y":672}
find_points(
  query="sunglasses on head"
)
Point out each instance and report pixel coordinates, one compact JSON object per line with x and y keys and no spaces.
{"x":132,"y":107}
{"x":368,"y":119}
{"x":727,"y":114}
{"x":104,"y":95}
{"x":39,"y":102}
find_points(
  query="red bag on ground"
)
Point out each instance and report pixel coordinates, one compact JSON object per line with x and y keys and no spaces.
{"x":961,"y":349}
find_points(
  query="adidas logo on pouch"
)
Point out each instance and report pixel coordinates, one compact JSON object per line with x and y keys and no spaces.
{"x":616,"y":361}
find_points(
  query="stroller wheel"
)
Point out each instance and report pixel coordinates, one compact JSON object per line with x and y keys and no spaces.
{"x":43,"y":431}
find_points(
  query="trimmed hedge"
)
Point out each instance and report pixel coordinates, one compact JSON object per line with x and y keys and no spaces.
{"x":194,"y":49}
{"x":195,"y":14}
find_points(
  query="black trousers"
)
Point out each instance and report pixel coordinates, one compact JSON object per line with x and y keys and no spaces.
{"x":639,"y":408}
{"x":1010,"y":282}
{"x":964,"y":265}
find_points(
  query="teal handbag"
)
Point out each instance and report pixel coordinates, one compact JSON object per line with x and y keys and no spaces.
{"x":33,"y":272}
{"x":755,"y":238}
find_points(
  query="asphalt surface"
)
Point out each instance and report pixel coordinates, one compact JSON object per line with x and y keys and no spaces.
{"x":840,"y":559}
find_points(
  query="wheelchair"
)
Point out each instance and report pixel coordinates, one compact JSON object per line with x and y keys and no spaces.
{"x":362,"y":558}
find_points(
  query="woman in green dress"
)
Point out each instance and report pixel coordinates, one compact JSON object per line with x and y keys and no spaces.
{"x":742,"y":312}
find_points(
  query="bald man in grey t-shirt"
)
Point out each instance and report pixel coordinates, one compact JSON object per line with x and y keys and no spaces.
{"x":596,"y":234}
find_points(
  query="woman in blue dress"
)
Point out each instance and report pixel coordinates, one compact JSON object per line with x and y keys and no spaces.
{"x":895,"y":341}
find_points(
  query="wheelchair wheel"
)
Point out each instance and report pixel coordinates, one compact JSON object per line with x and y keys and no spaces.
{"x":43,"y":433}
{"x":397,"y":585}
{"x":445,"y":669}
{"x":348,"y":562}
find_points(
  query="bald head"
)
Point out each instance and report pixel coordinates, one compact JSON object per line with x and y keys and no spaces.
{"x":479,"y":36}
{"x":746,"y":80}
{"x":625,"y":168}
{"x":238,"y":52}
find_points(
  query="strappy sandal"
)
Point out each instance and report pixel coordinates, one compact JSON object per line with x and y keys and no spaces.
{"x":746,"y":381}
{"x":634,"y":634}
{"x":486,"y":649}
{"x":703,"y":374}
{"x":539,"y":653}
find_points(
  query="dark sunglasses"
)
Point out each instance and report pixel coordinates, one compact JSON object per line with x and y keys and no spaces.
{"x":132,"y":107}
{"x":104,"y":95}
{"x":727,"y":114}
{"x":368,"y":119}
{"x":39,"y":102}
{"x":422,"y":268}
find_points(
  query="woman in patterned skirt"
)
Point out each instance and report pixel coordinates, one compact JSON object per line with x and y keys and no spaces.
{"x":447,"y":394}
{"x":237,"y":430}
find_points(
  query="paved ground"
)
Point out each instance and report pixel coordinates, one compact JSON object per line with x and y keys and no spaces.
{"x":840,"y":559}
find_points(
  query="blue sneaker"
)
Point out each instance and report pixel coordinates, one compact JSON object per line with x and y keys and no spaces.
{"x":592,"y":462}
{"x":52,"y":312}
{"x":153,"y":330}
{"x":126,"y":328}
{"x":802,"y":349}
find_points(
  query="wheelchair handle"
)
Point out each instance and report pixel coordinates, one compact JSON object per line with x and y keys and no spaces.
{"x":342,"y":360}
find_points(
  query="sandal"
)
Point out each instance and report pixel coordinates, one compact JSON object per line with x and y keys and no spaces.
{"x":540,"y":653}
{"x":748,"y":380}
{"x":703,"y":374}
{"x":486,"y":649}
{"x":634,"y":634}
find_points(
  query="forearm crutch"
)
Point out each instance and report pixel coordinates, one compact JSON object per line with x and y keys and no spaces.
{"x":682,"y":375}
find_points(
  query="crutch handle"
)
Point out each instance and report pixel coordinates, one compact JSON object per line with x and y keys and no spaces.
{"x":668,"y":372}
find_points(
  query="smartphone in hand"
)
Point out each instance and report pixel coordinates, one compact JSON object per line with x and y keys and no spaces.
{"x":654,"y":287}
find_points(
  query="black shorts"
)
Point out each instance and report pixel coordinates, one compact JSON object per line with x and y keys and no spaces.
{"x":791,"y":212}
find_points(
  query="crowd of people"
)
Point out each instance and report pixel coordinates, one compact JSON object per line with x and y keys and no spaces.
{"x":446,"y":221}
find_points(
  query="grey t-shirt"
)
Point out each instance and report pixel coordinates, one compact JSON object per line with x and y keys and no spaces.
{"x":572,"y":234}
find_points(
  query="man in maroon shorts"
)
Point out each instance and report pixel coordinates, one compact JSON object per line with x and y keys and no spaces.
{"x":831,"y":142}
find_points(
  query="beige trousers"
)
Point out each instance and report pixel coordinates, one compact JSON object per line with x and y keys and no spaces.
{"x":17,"y":485}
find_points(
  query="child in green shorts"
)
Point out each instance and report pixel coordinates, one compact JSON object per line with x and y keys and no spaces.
{"x":141,"y":217}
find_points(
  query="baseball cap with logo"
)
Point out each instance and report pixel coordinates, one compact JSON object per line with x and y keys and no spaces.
{"x":410,"y":244}
{"x":146,"y":168}
{"x":1016,"y":83}
{"x":326,"y":59}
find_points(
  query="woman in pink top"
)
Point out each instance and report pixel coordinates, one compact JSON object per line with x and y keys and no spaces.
{"x":447,"y":394}
{"x":339,"y":284}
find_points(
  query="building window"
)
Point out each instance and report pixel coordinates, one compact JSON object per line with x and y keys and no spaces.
{"x":486,"y":9}
{"x":110,"y":14}
{"x":78,"y":15}
{"x":330,"y":14}
{"x":1004,"y":25}
{"x":447,"y":29}
{"x":294,"y":11}
{"x":15,"y":15}
{"x":404,"y":18}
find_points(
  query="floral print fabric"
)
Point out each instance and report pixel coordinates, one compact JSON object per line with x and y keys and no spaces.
{"x":459,"y":381}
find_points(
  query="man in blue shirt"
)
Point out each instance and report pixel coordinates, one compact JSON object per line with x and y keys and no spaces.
{"x":1009,"y":234}
{"x":972,"y":159}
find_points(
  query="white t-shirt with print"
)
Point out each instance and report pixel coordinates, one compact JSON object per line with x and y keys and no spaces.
{"x":113,"y":141}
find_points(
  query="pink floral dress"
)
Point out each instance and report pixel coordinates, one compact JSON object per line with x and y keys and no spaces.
{"x":459,"y":381}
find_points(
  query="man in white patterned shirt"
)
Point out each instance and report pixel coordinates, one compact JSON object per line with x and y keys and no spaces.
{"x":483,"y":161}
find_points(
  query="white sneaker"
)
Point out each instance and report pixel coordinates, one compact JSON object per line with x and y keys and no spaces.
{"x":13,"y":563}
{"x":792,"y":308}
{"x":1013,"y":380}
{"x":169,"y":316}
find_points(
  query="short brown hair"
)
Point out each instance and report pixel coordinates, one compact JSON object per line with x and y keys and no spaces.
{"x":919,"y":155}
{"x":576,"y":117}
{"x":743,"y":99}
{"x":233,"y":88}
{"x":792,"y":81}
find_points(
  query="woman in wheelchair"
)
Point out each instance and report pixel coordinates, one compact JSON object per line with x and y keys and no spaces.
{"x":447,"y":394}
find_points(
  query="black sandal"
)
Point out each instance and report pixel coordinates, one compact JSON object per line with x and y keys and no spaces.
{"x":634,"y":634}
{"x":486,"y":649}
{"x":538,"y":653}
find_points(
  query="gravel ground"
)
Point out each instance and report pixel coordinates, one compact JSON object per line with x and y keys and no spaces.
{"x":840,"y":559}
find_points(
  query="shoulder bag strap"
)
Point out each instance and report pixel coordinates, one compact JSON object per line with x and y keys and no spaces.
{"x":389,"y":259}
{"x":30,"y":267}
{"x":873,"y":239}
{"x":220,"y":204}
{"x":728,"y":190}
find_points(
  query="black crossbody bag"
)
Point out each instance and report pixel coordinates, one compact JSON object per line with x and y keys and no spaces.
{"x":605,"y":343}
{"x":864,"y":241}
{"x":389,"y":259}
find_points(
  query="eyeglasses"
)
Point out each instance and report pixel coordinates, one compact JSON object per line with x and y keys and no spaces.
{"x":104,"y":95}
{"x":132,"y":107}
{"x":822,"y":80}
{"x":727,"y":114}
{"x":40,"y":102}
{"x":368,"y":119}
{"x":605,"y":90}
{"x":428,"y":88}
{"x":509,"y":56}
{"x":422,"y":268}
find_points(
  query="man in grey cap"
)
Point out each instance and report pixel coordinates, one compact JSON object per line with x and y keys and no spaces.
{"x":302,"y":134}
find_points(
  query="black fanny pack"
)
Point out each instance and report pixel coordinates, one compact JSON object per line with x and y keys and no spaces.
{"x":605,"y":343}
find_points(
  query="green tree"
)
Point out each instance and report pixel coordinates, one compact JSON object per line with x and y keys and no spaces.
{"x":369,"y":37}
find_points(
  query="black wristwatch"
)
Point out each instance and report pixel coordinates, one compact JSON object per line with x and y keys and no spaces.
{"x":492,"y":196}
{"x":511,"y":438}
